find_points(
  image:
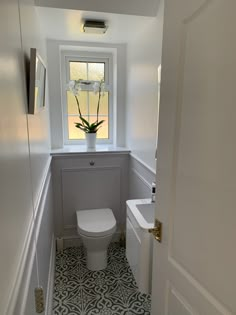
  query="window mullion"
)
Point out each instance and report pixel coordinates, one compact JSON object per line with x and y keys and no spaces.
{"x":87,"y":95}
{"x":87,"y":70}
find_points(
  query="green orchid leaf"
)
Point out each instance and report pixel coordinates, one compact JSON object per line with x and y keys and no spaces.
{"x":92,"y":125}
{"x":84,"y":120}
{"x":81,"y":127}
{"x":99,"y":123}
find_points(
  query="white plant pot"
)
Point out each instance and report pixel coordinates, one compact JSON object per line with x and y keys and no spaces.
{"x":91,"y":140}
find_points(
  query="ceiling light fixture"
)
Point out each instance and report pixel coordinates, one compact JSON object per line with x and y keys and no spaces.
{"x":94,"y":27}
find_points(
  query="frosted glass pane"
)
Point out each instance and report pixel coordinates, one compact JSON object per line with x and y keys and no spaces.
{"x":93,"y":102}
{"x":78,"y":70}
{"x":75,"y":133}
{"x":103,"y":132}
{"x":95,"y":71}
{"x":72,"y":107}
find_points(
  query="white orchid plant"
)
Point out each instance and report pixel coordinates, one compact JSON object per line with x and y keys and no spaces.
{"x":98,"y":88}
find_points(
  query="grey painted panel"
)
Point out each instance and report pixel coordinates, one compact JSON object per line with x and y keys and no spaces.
{"x":77,"y":184}
{"x":90,"y":189}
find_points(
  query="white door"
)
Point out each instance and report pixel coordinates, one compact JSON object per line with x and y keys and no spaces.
{"x":195,"y":265}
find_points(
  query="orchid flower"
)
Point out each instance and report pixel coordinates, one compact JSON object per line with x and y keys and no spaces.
{"x":96,"y":87}
{"x":75,"y":86}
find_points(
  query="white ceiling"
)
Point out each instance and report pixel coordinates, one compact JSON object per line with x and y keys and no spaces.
{"x":131,"y":7}
{"x":64,"y":24}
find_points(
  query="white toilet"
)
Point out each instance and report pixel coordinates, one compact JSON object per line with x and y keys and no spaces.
{"x":96,"y":228}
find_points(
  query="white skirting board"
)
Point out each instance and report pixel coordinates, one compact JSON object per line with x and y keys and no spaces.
{"x":51,"y":276}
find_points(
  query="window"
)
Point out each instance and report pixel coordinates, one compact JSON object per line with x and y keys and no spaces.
{"x":90,"y":69}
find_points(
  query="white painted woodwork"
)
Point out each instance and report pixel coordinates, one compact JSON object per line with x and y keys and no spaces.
{"x":118,"y":51}
{"x":194,"y":267}
{"x":139,"y":244}
{"x":35,"y":264}
{"x":140,"y":179}
{"x":132,"y":7}
{"x":85,"y":181}
{"x":132,"y":248}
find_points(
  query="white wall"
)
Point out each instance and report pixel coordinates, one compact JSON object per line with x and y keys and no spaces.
{"x":24,"y":142}
{"x":143,"y":58}
{"x":136,"y":7}
{"x":53,"y":55}
{"x":38,"y":125}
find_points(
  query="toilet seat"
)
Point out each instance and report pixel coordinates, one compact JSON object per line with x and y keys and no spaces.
{"x":96,"y":222}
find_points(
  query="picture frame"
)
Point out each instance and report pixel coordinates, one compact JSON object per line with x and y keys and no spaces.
{"x":37,"y":82}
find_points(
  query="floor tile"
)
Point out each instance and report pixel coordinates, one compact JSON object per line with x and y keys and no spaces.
{"x":112,"y":291}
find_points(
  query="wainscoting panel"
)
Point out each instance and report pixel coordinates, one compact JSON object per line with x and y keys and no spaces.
{"x":140,"y":179}
{"x":86,"y":181}
{"x":41,"y":236}
{"x":87,"y":188}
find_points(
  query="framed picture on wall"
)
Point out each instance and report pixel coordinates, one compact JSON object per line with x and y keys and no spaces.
{"x":37,"y":82}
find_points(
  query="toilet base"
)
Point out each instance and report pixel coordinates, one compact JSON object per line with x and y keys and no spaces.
{"x":96,"y":260}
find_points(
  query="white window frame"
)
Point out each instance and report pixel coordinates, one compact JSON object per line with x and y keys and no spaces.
{"x":86,"y":56}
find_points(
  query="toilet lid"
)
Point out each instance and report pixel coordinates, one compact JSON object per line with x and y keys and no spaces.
{"x":96,"y":222}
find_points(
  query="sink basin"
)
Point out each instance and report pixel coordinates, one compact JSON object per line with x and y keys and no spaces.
{"x":147,"y":211}
{"x":143,"y":211}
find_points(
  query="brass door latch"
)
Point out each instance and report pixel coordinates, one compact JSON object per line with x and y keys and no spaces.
{"x":157,"y":231}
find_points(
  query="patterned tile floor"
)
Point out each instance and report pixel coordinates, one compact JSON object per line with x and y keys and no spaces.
{"x":113,"y":291}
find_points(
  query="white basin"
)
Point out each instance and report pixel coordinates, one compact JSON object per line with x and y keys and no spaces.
{"x":140,"y":218}
{"x":147,"y":211}
{"x":144,"y":212}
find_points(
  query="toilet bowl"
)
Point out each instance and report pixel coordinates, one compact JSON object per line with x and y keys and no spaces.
{"x":96,"y":228}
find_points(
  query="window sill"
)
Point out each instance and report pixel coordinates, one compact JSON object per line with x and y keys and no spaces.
{"x":82,"y":149}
